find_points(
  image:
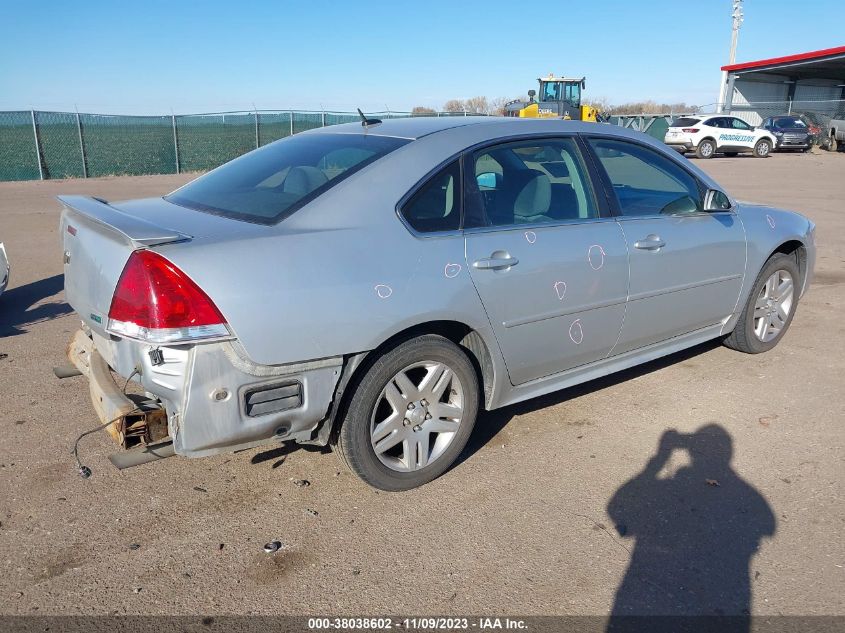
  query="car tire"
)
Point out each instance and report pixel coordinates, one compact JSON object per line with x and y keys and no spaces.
{"x":753,"y":332}
{"x":731,"y":154}
{"x":763,"y":148}
{"x":706,"y":148}
{"x":832,"y":143}
{"x":379,"y":412}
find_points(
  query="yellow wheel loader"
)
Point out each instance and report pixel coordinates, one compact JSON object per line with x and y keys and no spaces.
{"x":559,"y":98}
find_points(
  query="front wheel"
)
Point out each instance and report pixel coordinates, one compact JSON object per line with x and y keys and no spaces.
{"x":763,"y":148}
{"x":770,"y":307}
{"x":832,"y":143}
{"x":410,"y":415}
{"x":705,"y":149}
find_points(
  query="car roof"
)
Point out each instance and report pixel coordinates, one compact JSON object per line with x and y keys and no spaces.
{"x":418,"y":127}
{"x":407,"y":127}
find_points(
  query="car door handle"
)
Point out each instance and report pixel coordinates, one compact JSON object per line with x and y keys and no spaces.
{"x":495,"y":263}
{"x":650,"y":243}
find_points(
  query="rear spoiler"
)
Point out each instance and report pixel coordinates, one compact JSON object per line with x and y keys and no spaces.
{"x":136,"y":230}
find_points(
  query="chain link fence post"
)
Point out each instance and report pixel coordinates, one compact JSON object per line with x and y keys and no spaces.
{"x":37,"y":146}
{"x":291,"y":122}
{"x":81,"y":146}
{"x":257,"y":145}
{"x":175,"y":141}
{"x":323,"y":119}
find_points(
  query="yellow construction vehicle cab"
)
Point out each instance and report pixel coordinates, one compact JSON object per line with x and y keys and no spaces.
{"x":559,"y":98}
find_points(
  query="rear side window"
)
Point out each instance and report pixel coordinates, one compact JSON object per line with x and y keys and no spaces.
{"x":684,"y":122}
{"x":270,"y":183}
{"x":533,"y":182}
{"x":436,"y":206}
{"x":645,"y":182}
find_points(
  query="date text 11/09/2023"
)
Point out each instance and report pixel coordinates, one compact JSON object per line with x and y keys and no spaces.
{"x":425,"y":623}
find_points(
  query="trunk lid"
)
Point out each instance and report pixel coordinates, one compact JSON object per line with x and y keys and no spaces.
{"x":97,"y":239}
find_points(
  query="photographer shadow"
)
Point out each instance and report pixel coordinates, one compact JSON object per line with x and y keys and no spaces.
{"x":695,"y":533}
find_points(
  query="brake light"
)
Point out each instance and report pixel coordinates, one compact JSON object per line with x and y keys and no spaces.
{"x":690,"y":130}
{"x":156,"y":302}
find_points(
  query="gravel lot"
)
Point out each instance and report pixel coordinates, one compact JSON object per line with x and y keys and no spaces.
{"x":521,"y":526}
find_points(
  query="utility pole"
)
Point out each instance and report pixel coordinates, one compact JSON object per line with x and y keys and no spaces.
{"x":738,"y":17}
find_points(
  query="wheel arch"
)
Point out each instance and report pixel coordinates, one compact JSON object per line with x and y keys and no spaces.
{"x":356,"y":365}
{"x":798,"y":250}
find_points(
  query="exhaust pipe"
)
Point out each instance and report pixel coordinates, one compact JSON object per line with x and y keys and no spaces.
{"x":66,"y":371}
{"x":142,"y":455}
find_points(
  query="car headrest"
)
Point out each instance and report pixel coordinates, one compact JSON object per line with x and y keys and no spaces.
{"x":303,"y":180}
{"x":534,"y":198}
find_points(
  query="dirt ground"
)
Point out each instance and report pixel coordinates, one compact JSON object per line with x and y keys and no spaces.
{"x":520,"y":526}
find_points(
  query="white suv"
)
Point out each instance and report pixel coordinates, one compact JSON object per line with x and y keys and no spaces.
{"x":706,"y":135}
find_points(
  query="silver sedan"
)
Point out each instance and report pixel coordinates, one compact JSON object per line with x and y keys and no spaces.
{"x":374,"y":286}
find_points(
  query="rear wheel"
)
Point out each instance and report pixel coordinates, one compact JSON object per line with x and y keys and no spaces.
{"x":770,"y":307}
{"x":706,"y":148}
{"x":832,"y":143}
{"x":763,"y":148}
{"x":411,"y":414}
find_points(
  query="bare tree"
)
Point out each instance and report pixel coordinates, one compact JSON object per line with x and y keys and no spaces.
{"x":477,"y":105}
{"x":497,"y":105}
{"x":454,"y":105}
{"x":422,"y":111}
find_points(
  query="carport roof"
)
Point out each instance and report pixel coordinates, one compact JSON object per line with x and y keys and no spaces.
{"x":828,"y":63}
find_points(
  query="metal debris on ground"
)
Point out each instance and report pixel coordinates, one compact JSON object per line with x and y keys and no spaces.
{"x":311,"y":513}
{"x":272,"y":547}
{"x":200,"y":489}
{"x":134,"y":546}
{"x":301,"y":483}
{"x":711,"y":482}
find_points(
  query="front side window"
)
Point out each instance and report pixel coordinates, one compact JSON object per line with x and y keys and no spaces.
{"x":436,"y":206}
{"x":645,"y":182}
{"x":270,"y":183}
{"x":530,"y":182}
{"x":739,"y":124}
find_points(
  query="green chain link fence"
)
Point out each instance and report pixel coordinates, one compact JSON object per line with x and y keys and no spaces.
{"x":40,"y":145}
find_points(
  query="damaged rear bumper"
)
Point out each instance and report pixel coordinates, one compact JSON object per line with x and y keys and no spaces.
{"x":205,"y":399}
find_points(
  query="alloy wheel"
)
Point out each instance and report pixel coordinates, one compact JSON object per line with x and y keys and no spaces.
{"x":416,"y":416}
{"x":774,"y":303}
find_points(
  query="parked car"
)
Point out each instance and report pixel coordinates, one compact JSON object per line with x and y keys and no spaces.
{"x":374,"y":287}
{"x":836,"y":134}
{"x":709,"y":135}
{"x":790,"y":132}
{"x":4,"y":268}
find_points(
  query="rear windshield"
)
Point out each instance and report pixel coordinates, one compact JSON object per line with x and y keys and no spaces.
{"x":789,"y":121}
{"x":684,"y":122}
{"x":270,"y":183}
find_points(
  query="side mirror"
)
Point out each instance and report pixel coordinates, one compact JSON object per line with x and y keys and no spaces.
{"x":715,"y":200}
{"x":681,"y":206}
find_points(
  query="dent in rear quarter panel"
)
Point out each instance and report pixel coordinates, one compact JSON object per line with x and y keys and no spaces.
{"x":307,"y":295}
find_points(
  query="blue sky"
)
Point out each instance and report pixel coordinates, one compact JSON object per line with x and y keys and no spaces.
{"x":154,"y":56}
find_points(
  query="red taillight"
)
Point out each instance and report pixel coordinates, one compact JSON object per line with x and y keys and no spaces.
{"x":157,"y":302}
{"x":690,"y":130}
